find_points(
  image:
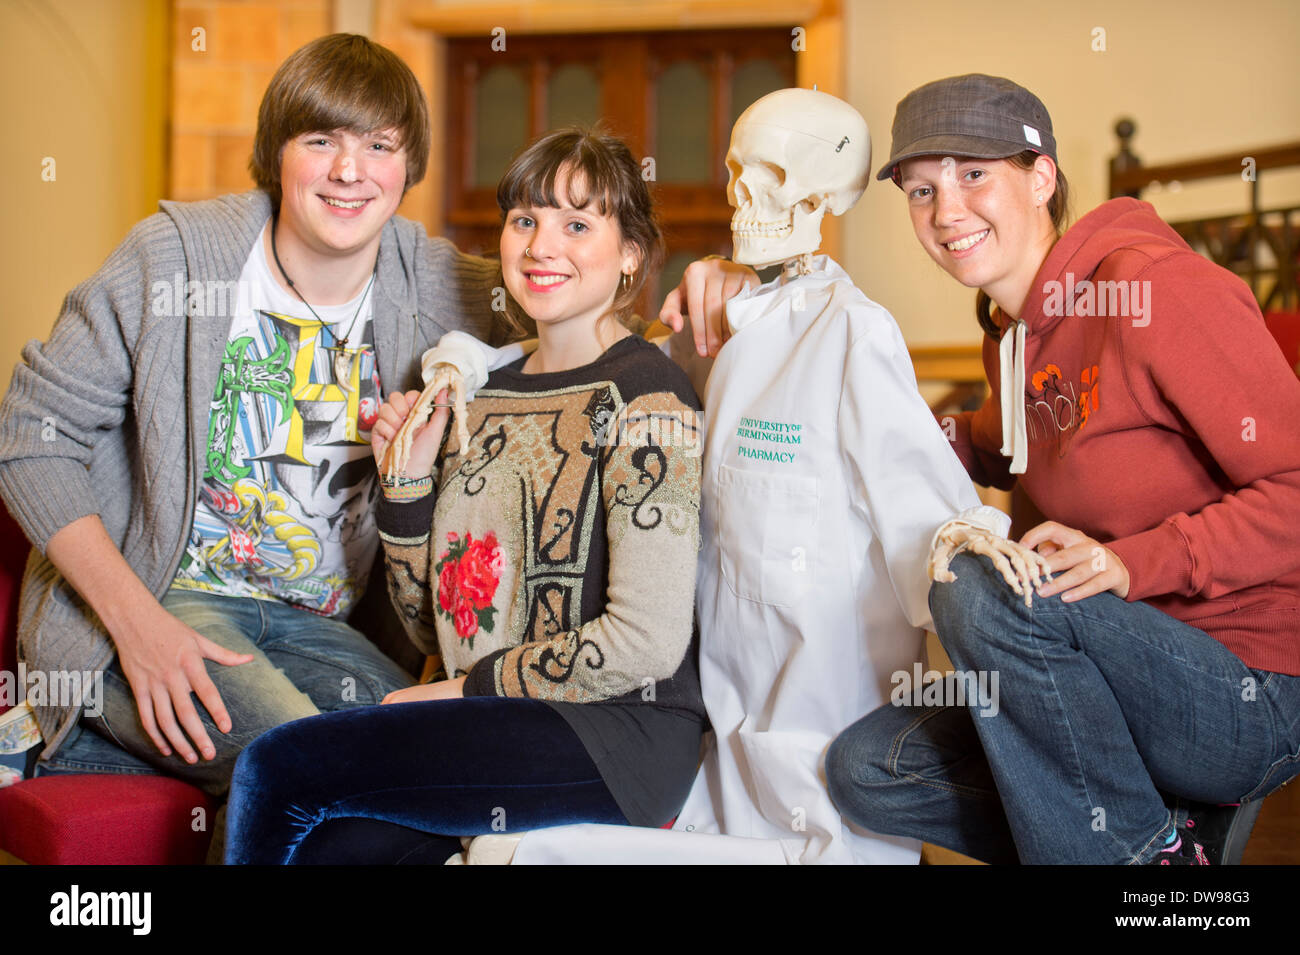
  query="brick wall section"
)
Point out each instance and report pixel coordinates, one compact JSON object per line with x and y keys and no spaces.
{"x":421,"y":51}
{"x":216,"y":90}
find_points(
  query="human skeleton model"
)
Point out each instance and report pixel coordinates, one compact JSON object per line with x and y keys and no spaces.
{"x":458,"y":363}
{"x":825,"y":476}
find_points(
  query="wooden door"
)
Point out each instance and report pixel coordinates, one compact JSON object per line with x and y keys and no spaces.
{"x":672,"y":96}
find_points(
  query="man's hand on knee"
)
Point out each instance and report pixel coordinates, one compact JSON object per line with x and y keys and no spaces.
{"x":163,"y":661}
{"x":161,"y":657}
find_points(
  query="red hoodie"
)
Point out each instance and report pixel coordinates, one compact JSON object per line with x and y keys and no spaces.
{"x":1169,"y":432}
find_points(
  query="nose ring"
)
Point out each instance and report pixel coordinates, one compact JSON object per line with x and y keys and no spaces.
{"x":528,"y":252}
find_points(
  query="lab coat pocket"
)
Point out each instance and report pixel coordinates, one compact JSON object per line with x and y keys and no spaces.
{"x":767,"y":525}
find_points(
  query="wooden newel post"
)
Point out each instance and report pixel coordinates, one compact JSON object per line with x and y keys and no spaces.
{"x":1124,"y":160}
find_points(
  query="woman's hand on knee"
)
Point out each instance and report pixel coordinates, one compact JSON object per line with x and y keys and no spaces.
{"x":1081,"y":566}
{"x":442,"y":690}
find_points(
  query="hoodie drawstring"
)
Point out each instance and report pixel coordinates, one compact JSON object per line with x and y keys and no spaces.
{"x":1011,"y":355}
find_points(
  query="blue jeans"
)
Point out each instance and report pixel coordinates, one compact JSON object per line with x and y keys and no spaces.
{"x":392,"y":783}
{"x":302,"y":664}
{"x":1102,"y":705}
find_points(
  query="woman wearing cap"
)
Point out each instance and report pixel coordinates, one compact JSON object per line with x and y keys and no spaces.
{"x":1139,"y":401}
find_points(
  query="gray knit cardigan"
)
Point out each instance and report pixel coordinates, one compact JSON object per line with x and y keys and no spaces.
{"x":110,"y":415}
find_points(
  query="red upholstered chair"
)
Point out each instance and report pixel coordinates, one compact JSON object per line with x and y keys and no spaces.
{"x":91,"y":819}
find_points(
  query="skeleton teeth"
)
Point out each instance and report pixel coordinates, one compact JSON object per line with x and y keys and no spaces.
{"x":354,"y":204}
{"x":961,"y":245}
{"x":762,"y":228}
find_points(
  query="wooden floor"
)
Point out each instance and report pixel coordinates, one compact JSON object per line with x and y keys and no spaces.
{"x":1275,"y":840}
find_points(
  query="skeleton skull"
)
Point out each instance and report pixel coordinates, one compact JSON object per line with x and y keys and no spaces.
{"x":795,"y":155}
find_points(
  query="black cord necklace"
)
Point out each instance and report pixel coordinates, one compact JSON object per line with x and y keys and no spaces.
{"x":345,"y":360}
{"x":342,"y":342}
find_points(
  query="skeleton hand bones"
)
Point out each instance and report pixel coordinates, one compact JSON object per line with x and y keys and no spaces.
{"x":1023,"y":569}
{"x":399,"y":451}
{"x":458,"y":363}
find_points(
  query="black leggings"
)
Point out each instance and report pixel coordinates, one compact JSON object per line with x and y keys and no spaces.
{"x":397,"y":783}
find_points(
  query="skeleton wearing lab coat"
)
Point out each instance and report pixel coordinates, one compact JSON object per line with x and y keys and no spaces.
{"x":825,"y":478}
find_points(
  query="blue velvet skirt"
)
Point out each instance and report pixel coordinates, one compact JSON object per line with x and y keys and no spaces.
{"x":401,"y":783}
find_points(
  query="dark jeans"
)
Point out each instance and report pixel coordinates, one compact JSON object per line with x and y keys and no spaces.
{"x":376,"y":784}
{"x":1102,"y":703}
{"x":302,"y":664}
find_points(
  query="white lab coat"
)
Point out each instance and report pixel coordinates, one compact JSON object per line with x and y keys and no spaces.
{"x":825,"y":477}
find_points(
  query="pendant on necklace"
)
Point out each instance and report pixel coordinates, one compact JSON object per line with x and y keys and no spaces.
{"x":344,"y":365}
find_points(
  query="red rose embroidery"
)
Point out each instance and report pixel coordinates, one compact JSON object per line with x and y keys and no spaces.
{"x":477,"y":581}
{"x":447,"y":586}
{"x":496,"y":557}
{"x":466,"y":621}
{"x":469,"y":572}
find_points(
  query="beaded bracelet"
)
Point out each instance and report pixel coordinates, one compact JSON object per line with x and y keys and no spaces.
{"x":405,"y":488}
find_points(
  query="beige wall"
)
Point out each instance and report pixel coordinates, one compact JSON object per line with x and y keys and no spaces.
{"x":84,"y":82}
{"x":1198,"y":76}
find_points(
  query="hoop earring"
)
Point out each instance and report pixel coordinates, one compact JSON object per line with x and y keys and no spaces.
{"x":626,"y":282}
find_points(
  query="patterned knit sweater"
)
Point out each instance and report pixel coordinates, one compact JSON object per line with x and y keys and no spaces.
{"x":561,"y":561}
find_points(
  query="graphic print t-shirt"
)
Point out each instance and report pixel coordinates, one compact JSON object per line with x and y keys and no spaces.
{"x":285,"y":509}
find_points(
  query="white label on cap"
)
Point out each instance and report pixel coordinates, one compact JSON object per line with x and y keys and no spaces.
{"x":1031,"y":135}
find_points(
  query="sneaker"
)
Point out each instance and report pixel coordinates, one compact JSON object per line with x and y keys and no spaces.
{"x":1223,"y":829}
{"x":1181,"y":849}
